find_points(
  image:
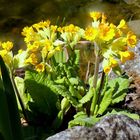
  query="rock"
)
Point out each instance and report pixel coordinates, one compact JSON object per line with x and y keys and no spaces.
{"x":132,"y":100}
{"x":134,"y":25}
{"x":133,"y":66}
{"x":113,"y":127}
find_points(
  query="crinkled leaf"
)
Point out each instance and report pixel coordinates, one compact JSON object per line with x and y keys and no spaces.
{"x":82,"y":119}
{"x":129,"y":114}
{"x":106,"y":101}
{"x":74,"y":92}
{"x":88,"y":96}
{"x":74,"y":81}
{"x":63,"y":91}
{"x":120,"y":85}
{"x":43,"y":97}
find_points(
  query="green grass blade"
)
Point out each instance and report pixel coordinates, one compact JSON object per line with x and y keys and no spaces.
{"x":5,"y":126}
{"x":11,"y":102}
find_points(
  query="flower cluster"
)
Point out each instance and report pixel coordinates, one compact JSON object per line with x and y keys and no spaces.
{"x":41,"y":44}
{"x":113,"y":41}
{"x":44,"y":40}
{"x":71,"y":34}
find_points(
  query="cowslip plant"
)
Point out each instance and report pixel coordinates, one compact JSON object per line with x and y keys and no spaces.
{"x":52,"y":79}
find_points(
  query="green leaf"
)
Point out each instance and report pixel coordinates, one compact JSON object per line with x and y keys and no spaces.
{"x":106,"y":101}
{"x":43,"y":97}
{"x":120,"y":86}
{"x":65,"y":105}
{"x":19,"y":59}
{"x":81,"y":118}
{"x":125,"y":112}
{"x":5,"y":126}
{"x":21,"y":89}
{"x":9,"y":106}
{"x":63,"y":91}
{"x":77,"y":56}
{"x":117,"y":70}
{"x":60,"y":56}
{"x":74,"y":92}
{"x":58,"y":121}
{"x":88,"y":96}
{"x":94,"y":102}
{"x":74,"y":81}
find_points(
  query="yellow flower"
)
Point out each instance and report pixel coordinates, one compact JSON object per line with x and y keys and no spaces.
{"x":106,"y":33}
{"x":42,"y":24}
{"x":113,"y":63}
{"x":3,"y":52}
{"x":58,"y":48}
{"x":91,"y":33}
{"x":60,"y":29}
{"x":7,"y":45}
{"x":47,"y":48}
{"x":131,"y":39}
{"x":32,"y":59}
{"x":27,"y":31}
{"x":29,"y":34}
{"x":127,"y":55}
{"x":7,"y":57}
{"x":122,"y":24}
{"x":40,"y":67}
{"x":33,"y":47}
{"x":53,"y":28}
{"x":107,"y":69}
{"x":50,"y":54}
{"x":95,"y":15}
{"x":71,"y":28}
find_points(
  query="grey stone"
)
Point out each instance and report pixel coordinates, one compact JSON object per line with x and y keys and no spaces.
{"x":113,"y":127}
{"x":134,"y":26}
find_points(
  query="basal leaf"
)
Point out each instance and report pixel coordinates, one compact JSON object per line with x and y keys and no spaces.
{"x":106,"y":101}
{"x":88,"y":96}
{"x":82,"y":119}
{"x":119,"y":97}
{"x":120,"y":85}
{"x":63,"y":91}
{"x":125,"y":112}
{"x":43,"y":97}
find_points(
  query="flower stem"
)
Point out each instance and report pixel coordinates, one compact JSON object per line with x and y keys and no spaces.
{"x":96,"y":70}
{"x":97,"y":61}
